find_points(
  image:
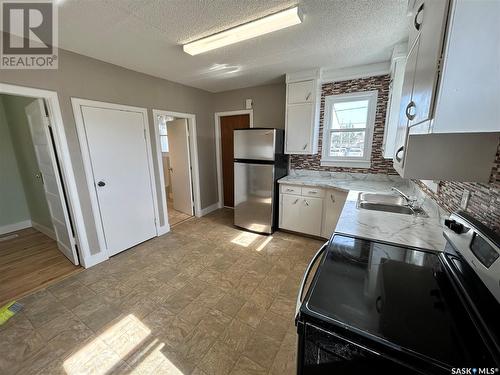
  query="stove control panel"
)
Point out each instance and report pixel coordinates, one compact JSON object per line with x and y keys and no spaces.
{"x":478,"y":246}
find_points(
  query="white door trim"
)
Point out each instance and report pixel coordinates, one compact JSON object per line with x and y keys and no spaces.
{"x":193,"y":151}
{"x":77,"y":103}
{"x":218,"y":147}
{"x":62,"y":151}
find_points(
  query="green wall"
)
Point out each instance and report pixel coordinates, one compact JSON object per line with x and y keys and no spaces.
{"x":26,"y":158}
{"x":13,"y":205}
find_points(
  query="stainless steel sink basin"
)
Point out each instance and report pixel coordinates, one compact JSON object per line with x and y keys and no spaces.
{"x":388,"y":203}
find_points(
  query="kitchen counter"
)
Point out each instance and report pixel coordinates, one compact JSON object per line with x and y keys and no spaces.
{"x":409,"y":230}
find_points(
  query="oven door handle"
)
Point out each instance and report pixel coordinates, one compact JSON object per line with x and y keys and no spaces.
{"x":306,"y":275}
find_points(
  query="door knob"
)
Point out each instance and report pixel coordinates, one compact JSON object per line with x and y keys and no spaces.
{"x":101,"y":184}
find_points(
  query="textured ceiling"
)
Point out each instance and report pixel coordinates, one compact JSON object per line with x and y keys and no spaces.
{"x":146,"y":36}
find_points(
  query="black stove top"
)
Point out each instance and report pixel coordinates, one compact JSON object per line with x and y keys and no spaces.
{"x":397,"y":296}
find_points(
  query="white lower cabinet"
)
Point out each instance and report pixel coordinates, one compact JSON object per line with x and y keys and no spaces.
{"x":290,"y":212}
{"x":312,"y":211}
{"x":332,"y":207}
{"x":311,"y":215}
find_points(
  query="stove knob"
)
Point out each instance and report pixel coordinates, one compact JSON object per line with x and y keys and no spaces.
{"x":454,"y":226}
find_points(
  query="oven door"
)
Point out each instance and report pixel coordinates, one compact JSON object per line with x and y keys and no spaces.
{"x":323,"y":352}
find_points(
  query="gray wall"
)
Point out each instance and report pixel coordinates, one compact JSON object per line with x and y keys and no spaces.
{"x":84,"y":77}
{"x":13,"y":205}
{"x":268,"y":103}
{"x":26,"y":158}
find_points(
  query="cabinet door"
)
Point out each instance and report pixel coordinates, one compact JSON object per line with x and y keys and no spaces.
{"x":300,"y":92}
{"x":290,"y":212}
{"x":299,"y":128}
{"x":311,"y":215}
{"x":431,"y":19}
{"x":333,"y":204}
{"x":406,"y":94}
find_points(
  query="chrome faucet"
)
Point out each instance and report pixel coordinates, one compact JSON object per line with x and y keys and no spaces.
{"x":409,"y":201}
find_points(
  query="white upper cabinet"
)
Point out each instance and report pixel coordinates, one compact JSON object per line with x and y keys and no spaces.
{"x":449,"y":118}
{"x":299,"y":128}
{"x":469,"y":92}
{"x":427,"y":25}
{"x":301,"y":92}
{"x":302,"y":113}
{"x":398,"y":63}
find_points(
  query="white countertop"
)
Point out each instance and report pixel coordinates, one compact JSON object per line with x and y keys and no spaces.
{"x":409,"y":230}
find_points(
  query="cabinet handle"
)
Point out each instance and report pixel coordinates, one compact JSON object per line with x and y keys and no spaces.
{"x":288,"y":189}
{"x":399,"y":158}
{"x":307,"y":204}
{"x":39,"y":177}
{"x":415,"y":20}
{"x":332,"y":198}
{"x":410,"y":115}
{"x":378,"y":304}
{"x":313,"y":192}
{"x":305,"y":146}
{"x":308,"y":96}
{"x":296,"y":200}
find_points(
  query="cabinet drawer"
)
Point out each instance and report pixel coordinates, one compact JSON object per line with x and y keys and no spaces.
{"x":289,"y":189}
{"x":300,"y":92}
{"x":313,"y":192}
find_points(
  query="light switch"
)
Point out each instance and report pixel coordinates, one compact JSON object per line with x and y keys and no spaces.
{"x":248,"y":104}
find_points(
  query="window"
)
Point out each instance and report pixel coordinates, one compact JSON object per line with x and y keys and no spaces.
{"x":162,"y":124}
{"x":348,"y":129}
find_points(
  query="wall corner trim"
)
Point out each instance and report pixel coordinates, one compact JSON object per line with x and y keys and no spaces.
{"x":163,"y":230}
{"x":45,"y":230}
{"x":207,"y":210}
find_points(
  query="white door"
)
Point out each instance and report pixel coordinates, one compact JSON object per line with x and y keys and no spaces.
{"x":180,"y":170}
{"x":42,"y":141}
{"x":118,"y":151}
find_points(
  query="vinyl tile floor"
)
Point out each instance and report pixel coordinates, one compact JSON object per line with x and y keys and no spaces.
{"x":175,"y":217}
{"x":206,"y":298}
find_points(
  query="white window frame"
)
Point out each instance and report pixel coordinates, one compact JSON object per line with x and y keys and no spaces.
{"x":349,"y":161}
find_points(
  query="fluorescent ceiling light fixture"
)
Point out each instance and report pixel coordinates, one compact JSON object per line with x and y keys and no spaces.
{"x":252,"y":29}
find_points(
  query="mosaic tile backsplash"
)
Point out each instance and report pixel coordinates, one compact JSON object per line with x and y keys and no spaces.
{"x":484,"y":202}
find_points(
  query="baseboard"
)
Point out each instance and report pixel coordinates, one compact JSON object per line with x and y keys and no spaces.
{"x":15,"y":226}
{"x":163,"y":230}
{"x":92,"y":260}
{"x":207,"y":210}
{"x":45,"y":230}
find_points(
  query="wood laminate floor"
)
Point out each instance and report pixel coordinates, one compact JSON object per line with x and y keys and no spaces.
{"x":28,"y":262}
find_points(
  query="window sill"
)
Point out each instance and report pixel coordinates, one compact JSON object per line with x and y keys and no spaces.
{"x":346,"y":163}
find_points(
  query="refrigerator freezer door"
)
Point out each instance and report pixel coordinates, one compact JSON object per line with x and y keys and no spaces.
{"x":254,"y":144}
{"x":253,"y":196}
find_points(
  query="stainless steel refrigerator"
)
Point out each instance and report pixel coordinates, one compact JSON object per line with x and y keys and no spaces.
{"x":259,"y":163}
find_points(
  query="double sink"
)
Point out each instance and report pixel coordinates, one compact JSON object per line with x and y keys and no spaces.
{"x":398,"y":204}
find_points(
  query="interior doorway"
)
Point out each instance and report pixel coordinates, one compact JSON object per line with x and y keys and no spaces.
{"x":37,"y":234}
{"x":176,"y":145}
{"x":226,"y":123}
